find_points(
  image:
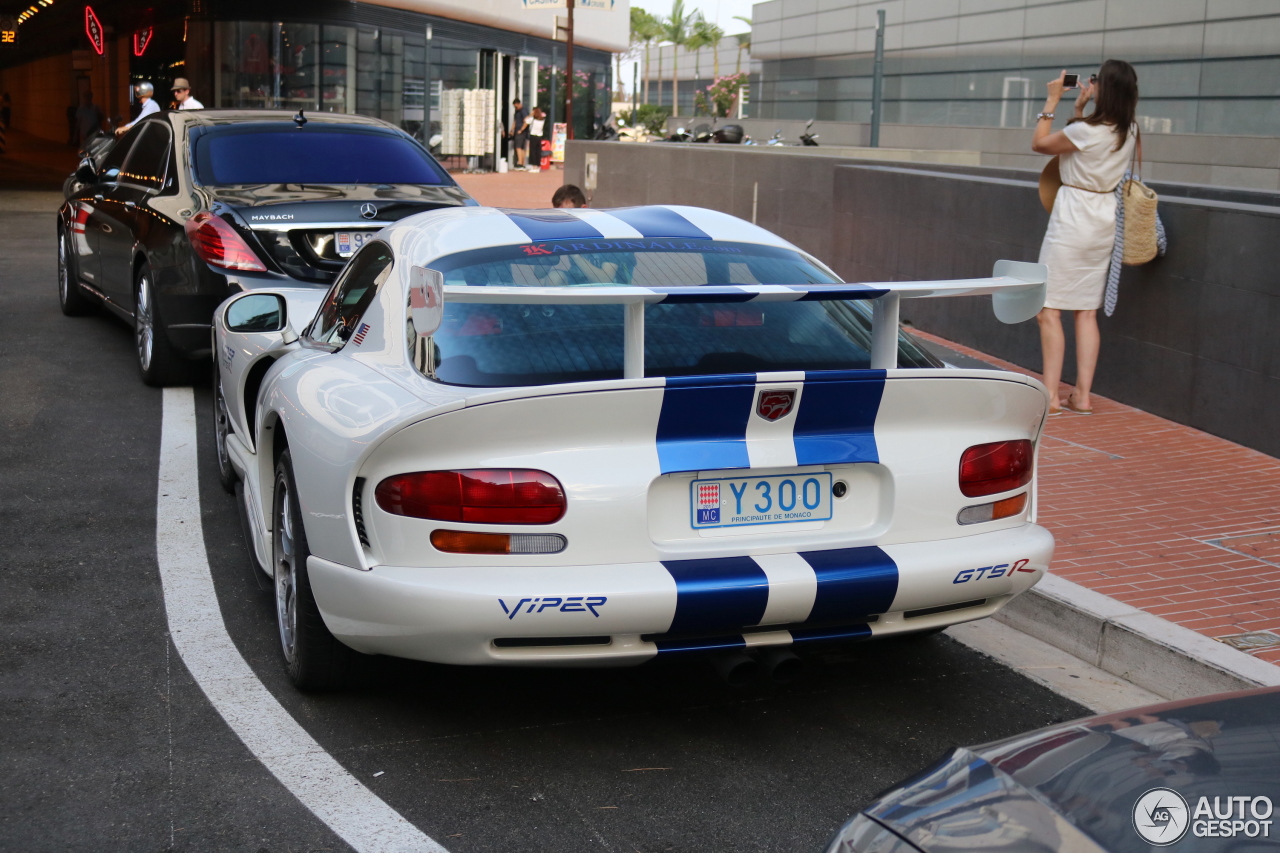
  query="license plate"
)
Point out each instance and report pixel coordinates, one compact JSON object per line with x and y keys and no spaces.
{"x":345,"y":243}
{"x":742,"y":501}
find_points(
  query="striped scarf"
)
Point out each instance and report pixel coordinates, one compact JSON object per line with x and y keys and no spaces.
{"x":1117,"y":251}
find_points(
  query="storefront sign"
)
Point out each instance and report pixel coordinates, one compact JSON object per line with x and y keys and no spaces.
{"x":141,"y":39}
{"x":93,"y":29}
{"x":8,"y":31}
{"x":559,"y":133}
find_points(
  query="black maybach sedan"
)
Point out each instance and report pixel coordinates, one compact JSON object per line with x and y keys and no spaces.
{"x":192,"y":206}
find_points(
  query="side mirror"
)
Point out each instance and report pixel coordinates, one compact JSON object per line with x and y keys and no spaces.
{"x":426,"y":300}
{"x":257,"y":312}
{"x":86,"y":173}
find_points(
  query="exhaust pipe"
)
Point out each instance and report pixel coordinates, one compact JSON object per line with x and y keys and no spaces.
{"x":781,"y":665}
{"x":737,"y":670}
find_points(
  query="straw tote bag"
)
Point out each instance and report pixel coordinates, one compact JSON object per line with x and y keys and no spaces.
{"x":1141,"y":243}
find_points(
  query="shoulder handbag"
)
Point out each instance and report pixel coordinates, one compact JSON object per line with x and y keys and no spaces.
{"x":1050,"y":183}
{"x":1141,"y":243}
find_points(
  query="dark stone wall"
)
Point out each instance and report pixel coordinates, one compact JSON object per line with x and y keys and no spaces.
{"x":1196,"y":335}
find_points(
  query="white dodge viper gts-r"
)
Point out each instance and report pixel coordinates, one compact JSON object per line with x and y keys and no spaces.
{"x":592,"y":437}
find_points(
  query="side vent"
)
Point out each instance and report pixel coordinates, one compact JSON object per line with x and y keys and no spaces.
{"x":357,"y":510}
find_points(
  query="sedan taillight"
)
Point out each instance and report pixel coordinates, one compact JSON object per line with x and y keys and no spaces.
{"x":988,"y":469}
{"x":217,"y":243}
{"x":476,"y":495}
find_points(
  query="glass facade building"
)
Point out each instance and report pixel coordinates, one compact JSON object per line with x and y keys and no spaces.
{"x":1204,"y":66}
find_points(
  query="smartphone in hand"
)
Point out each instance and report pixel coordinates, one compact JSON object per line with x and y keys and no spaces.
{"x":1070,"y":81}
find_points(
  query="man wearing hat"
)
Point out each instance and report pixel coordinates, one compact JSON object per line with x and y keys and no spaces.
{"x":182,"y":94}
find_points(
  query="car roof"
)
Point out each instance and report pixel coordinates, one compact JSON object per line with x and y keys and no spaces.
{"x":436,"y":233}
{"x":214,"y":118}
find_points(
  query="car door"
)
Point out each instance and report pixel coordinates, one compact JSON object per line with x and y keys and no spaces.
{"x":142,"y":175}
{"x":91,"y":204}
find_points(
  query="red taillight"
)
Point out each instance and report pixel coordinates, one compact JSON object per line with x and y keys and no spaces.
{"x":988,"y":469}
{"x":217,"y":243}
{"x":478,"y":495}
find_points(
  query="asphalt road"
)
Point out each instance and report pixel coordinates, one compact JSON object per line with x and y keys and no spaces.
{"x":106,"y":743}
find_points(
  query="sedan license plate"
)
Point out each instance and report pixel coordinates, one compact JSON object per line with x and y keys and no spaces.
{"x":742,"y":501}
{"x":346,"y":243}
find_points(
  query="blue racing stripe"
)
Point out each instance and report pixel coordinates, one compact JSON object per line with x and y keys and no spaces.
{"x":702,"y":644}
{"x":853,"y":291}
{"x":659,"y":222}
{"x":852,"y":583}
{"x":720,"y":594}
{"x":703,"y":423}
{"x":837,"y":417}
{"x":705,"y":294}
{"x":844,"y":632}
{"x":552,"y":225}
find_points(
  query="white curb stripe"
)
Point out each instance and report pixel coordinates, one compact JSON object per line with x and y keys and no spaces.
{"x":319,"y":782}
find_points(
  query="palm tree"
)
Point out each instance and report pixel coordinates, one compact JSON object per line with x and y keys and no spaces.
{"x":744,"y":41}
{"x":675,"y":29}
{"x":645,"y":28}
{"x":710,"y":35}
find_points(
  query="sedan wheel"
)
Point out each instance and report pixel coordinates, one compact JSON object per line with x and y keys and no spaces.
{"x":314,"y":658}
{"x":157,"y":362}
{"x":144,"y":324}
{"x":70,"y":298}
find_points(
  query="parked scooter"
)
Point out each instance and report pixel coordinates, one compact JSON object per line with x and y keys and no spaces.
{"x":807,"y":138}
{"x":731,"y":134}
{"x":776,"y":139}
{"x":681,"y":135}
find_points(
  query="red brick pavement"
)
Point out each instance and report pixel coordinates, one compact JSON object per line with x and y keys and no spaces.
{"x":1158,"y":515}
{"x":1161,"y":516}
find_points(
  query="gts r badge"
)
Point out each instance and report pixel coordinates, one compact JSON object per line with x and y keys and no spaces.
{"x":572,"y":604}
{"x":773,"y":405}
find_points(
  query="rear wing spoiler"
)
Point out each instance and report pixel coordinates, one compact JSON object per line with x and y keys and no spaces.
{"x":1017,"y":293}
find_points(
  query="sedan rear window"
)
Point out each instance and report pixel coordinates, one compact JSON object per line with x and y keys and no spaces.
{"x":257,"y":154}
{"x":505,"y":345}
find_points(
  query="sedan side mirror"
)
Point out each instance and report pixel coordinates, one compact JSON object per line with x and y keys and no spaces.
{"x":86,"y":173}
{"x":257,"y":312}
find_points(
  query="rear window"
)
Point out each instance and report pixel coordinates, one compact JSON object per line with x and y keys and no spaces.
{"x":503,"y":345}
{"x":311,"y":155}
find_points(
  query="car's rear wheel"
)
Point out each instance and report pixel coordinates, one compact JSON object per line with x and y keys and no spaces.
{"x":70,"y":297}
{"x":221,"y":430}
{"x":157,"y":361}
{"x":314,"y":658}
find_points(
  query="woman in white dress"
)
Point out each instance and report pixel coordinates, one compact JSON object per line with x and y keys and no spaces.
{"x":1094,"y":152}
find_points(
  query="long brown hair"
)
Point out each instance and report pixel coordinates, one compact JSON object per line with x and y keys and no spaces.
{"x":1116,"y":99}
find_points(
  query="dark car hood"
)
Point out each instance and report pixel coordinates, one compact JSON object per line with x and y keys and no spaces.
{"x":325,"y":203}
{"x":1074,"y":786}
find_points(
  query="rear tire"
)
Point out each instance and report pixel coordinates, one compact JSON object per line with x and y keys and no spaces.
{"x":314,"y":658}
{"x":157,"y":361}
{"x":221,"y":430}
{"x":70,"y":297}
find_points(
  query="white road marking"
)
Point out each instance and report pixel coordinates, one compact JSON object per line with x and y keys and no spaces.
{"x":319,"y":782}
